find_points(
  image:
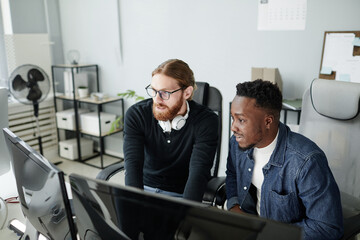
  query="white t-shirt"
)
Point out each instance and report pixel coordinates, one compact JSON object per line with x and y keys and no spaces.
{"x":261,"y":157}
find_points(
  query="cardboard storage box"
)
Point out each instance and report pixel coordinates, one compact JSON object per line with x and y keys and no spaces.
{"x":69,"y":150}
{"x":66,"y":119}
{"x":90,"y":122}
{"x":269,"y":74}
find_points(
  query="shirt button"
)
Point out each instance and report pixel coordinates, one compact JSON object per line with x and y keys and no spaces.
{"x":249,"y":169}
{"x":168,"y":141}
{"x":245,"y":188}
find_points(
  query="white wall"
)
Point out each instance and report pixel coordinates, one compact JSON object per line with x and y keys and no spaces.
{"x":218,"y":39}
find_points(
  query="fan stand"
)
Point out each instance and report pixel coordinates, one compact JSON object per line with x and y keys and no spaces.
{"x":36,"y":114}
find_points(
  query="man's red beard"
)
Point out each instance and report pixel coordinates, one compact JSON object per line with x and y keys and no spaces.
{"x":167,"y":114}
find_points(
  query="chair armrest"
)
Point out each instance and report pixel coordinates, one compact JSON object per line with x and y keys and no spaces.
{"x":351,"y":227}
{"x":110,"y":171}
{"x":351,"y":212}
{"x":215,"y":193}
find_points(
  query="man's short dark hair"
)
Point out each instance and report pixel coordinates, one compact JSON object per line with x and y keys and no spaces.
{"x":267,"y":95}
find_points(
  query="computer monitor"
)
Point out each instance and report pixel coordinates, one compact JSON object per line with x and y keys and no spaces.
{"x":4,"y":156}
{"x":108,"y":211}
{"x":41,"y":188}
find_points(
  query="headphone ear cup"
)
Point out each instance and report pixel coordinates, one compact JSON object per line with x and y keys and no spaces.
{"x":178,"y":122}
{"x":165,"y":125}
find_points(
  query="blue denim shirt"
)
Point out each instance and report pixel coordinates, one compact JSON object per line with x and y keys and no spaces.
{"x":298,"y":186}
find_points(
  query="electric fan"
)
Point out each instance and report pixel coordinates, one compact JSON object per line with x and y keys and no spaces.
{"x":30,"y":85}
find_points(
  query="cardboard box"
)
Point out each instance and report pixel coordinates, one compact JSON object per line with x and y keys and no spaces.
{"x":269,"y":74}
{"x":69,"y":150}
{"x":66,"y":119}
{"x":90,"y":122}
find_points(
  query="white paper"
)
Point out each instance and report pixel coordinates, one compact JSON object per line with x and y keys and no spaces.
{"x":338,"y":54}
{"x":349,"y":68}
{"x":282,"y":14}
{"x":338,"y":48}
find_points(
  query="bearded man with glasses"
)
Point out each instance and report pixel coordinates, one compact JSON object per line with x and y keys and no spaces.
{"x":170,"y":140}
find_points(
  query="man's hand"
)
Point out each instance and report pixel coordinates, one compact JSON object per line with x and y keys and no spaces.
{"x":236,"y":209}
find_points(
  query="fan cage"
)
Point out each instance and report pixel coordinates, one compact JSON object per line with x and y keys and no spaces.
{"x":22,"y":70}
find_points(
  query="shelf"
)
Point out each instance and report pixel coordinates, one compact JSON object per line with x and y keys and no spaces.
{"x":105,"y":100}
{"x":74,"y":66}
{"x":292,"y":104}
{"x":66,"y":97}
{"x":102,"y":135}
{"x":89,"y":99}
{"x":93,"y":135}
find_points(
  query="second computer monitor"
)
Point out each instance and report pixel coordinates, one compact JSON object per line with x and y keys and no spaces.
{"x":107,"y":211}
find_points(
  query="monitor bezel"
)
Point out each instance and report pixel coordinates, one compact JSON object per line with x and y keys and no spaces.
{"x":41,"y":161}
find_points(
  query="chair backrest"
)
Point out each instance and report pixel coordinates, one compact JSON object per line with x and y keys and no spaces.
{"x":201,"y":93}
{"x":212,"y":98}
{"x":330,"y":117}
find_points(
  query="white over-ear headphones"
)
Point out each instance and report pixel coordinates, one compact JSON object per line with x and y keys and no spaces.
{"x":177,"y":123}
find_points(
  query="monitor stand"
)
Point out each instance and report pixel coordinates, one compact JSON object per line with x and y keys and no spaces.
{"x":30,"y":232}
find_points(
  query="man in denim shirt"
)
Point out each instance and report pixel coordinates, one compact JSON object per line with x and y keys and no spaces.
{"x":276,"y":173}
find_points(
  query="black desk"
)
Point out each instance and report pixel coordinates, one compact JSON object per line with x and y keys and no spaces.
{"x":286,"y":109}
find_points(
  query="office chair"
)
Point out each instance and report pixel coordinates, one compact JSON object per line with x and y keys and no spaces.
{"x":215,"y":192}
{"x":330,"y":117}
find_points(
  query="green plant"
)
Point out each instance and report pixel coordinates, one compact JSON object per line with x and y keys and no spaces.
{"x":117,"y":124}
{"x":131,"y":94}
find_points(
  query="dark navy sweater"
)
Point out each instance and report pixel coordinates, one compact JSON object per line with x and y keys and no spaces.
{"x":179,"y":161}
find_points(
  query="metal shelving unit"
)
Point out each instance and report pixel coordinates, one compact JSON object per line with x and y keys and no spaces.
{"x":70,"y":99}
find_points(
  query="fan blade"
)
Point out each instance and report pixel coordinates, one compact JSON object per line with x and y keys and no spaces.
{"x":35,"y":75}
{"x":34,"y":93}
{"x":18,"y":83}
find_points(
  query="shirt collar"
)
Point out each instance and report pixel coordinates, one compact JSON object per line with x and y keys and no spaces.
{"x":278,"y":157}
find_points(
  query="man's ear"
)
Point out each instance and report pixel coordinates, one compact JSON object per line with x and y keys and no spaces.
{"x":188,"y":92}
{"x":269,"y":119}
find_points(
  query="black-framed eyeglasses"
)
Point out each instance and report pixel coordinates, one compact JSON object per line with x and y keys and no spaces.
{"x":165,"y":95}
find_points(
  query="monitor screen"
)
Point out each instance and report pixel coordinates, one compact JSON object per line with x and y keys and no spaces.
{"x":108,"y":211}
{"x":4,"y":156}
{"x":41,"y":189}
